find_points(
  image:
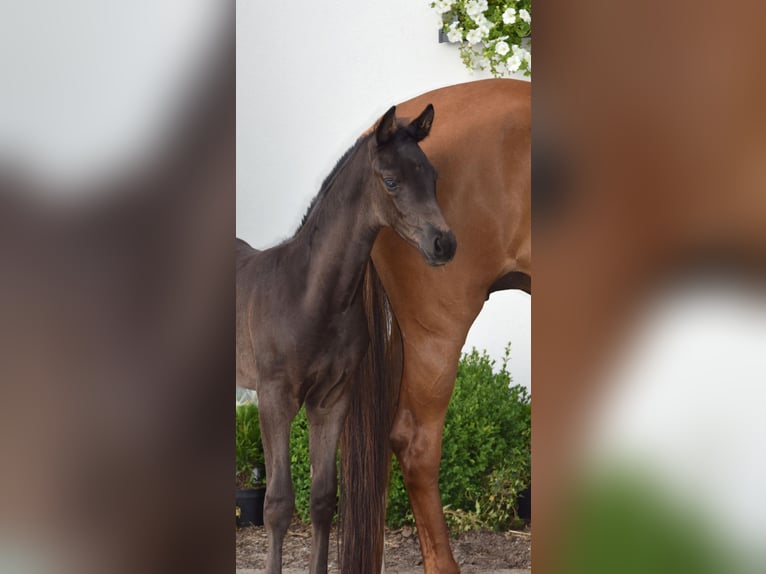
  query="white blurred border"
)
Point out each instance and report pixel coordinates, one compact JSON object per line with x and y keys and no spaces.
{"x":686,"y":401}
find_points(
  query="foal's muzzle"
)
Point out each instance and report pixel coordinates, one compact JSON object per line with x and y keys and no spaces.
{"x":440,"y":247}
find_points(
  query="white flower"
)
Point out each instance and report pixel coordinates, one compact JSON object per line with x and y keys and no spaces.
{"x":442,"y":6}
{"x":513,"y":63}
{"x":483,"y":22}
{"x":474,"y":36}
{"x":484,"y":32}
{"x":483,"y":25}
{"x":482,"y":62}
{"x":455,"y":32}
{"x":528,"y":57}
{"x":475,"y":9}
{"x":509,"y":16}
{"x":524,"y":15}
{"x":502,"y":48}
{"x":521,"y":54}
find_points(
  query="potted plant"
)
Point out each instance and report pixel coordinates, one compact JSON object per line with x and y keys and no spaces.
{"x":491,"y":35}
{"x":250,"y":476}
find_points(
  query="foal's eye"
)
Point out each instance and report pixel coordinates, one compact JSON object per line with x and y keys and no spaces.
{"x":390,"y":183}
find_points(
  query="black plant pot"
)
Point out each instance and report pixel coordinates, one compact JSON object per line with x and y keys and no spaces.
{"x":250,"y":506}
{"x":524,"y":504}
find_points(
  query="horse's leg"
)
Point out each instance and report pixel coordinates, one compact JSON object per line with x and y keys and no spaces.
{"x":276,"y":411}
{"x":416,"y":437}
{"x":325,"y":424}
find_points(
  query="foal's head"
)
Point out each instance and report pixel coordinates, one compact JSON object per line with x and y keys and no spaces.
{"x":404,"y":183}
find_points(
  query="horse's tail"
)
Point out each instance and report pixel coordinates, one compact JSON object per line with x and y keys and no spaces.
{"x":365,"y":450}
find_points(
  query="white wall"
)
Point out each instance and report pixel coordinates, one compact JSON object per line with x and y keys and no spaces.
{"x":311,"y":76}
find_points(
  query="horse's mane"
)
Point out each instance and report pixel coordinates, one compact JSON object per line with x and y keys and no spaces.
{"x":326,"y":184}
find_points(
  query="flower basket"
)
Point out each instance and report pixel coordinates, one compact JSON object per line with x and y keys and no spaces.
{"x":493,"y":35}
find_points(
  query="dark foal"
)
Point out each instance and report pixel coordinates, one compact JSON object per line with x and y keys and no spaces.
{"x":301,"y":325}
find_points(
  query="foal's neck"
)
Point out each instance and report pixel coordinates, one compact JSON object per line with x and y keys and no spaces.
{"x":338,"y":235}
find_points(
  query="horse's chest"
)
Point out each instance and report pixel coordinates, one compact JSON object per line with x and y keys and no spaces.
{"x":345,"y":335}
{"x":341,"y":344}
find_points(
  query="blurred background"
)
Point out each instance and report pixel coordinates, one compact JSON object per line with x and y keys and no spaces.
{"x":649,"y":210}
{"x":116,"y":346}
{"x":117,"y":189}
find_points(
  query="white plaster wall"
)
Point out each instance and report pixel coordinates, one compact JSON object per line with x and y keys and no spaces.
{"x":311,"y":76}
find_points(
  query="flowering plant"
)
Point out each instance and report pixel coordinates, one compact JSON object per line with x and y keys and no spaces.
{"x":493,"y":34}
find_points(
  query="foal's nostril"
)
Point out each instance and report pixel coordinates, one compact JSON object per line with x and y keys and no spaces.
{"x":438,"y":249}
{"x":441,"y":248}
{"x":444,"y":246}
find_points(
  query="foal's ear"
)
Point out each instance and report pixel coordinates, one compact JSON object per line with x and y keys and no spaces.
{"x":421,"y":126}
{"x":386,"y":126}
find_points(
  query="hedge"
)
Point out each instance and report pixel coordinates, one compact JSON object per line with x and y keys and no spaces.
{"x":486,"y":449}
{"x":485,"y":453}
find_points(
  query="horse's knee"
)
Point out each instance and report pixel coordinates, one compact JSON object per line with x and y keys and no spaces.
{"x":418,"y":452}
{"x":322,"y":508}
{"x":278,"y":509}
{"x":323,"y":492}
{"x":403,"y":435}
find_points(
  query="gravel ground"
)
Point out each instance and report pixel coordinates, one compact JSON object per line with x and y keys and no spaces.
{"x":476,"y":552}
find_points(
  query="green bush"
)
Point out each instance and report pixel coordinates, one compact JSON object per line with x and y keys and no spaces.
{"x":485,"y":455}
{"x":398,"y":511}
{"x":249,"y":452}
{"x":300,"y":465}
{"x":485,"y":452}
{"x":248,"y":446}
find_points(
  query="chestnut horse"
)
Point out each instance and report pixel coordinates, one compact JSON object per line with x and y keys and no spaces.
{"x":480,"y":148}
{"x":301,"y":321}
